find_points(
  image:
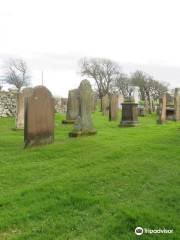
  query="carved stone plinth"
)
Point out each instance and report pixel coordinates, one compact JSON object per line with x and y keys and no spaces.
{"x":129,"y":114}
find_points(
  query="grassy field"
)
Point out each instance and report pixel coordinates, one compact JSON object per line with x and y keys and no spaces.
{"x":91,"y":188}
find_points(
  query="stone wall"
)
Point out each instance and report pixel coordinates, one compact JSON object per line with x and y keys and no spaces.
{"x":60,"y":104}
{"x":8,"y":102}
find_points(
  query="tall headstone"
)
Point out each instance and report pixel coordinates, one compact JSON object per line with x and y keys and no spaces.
{"x":105,"y":104}
{"x":72,"y":106}
{"x":141,"y":111}
{"x":162,"y":110}
{"x":39,"y":117}
{"x":113,"y":107}
{"x":26,"y":92}
{"x":94,"y":102}
{"x":129,"y":114}
{"x":84,"y":125}
{"x":177,"y":104}
{"x":146,"y":106}
{"x":170,"y":112}
{"x":120,"y":101}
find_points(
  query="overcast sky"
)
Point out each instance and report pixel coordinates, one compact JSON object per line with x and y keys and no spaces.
{"x":52,"y":35}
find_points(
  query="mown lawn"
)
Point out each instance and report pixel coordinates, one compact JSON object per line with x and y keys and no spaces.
{"x":91,"y":188}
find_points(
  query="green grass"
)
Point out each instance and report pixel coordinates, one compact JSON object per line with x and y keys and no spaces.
{"x":91,"y":188}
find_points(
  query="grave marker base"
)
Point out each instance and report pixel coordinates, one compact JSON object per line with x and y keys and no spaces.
{"x":68,"y":121}
{"x":38,"y":142}
{"x":129,"y":124}
{"x":78,"y":134}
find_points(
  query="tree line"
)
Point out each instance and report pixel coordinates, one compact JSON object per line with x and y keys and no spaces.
{"x":106,"y":73}
{"x":110,"y":79}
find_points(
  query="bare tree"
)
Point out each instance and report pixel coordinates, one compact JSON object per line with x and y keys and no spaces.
{"x":16,"y":73}
{"x":103,"y":71}
{"x":150,"y":89}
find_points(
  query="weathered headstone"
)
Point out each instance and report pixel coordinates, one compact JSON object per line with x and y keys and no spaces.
{"x":162,"y":110}
{"x":141,"y":111}
{"x":129,"y":114}
{"x":39,"y":117}
{"x":170,"y":112}
{"x":146,"y":106}
{"x":26,"y":92}
{"x":84,"y":125}
{"x":120,"y":101}
{"x":105,"y":105}
{"x":94,"y":102}
{"x":177,"y":104}
{"x":72,"y":106}
{"x":113,"y":107}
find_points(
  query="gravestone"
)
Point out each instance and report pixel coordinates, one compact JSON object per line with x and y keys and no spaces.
{"x":94,"y":102}
{"x":162,"y":110}
{"x":72,"y":106}
{"x":146,"y":106}
{"x":105,"y":105}
{"x":26,"y":92}
{"x":39,"y":117}
{"x":177,"y":104}
{"x":141,"y":111}
{"x":129,"y":114}
{"x":113,"y":107}
{"x":170,"y":112}
{"x":84,"y":125}
{"x":120,"y":101}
